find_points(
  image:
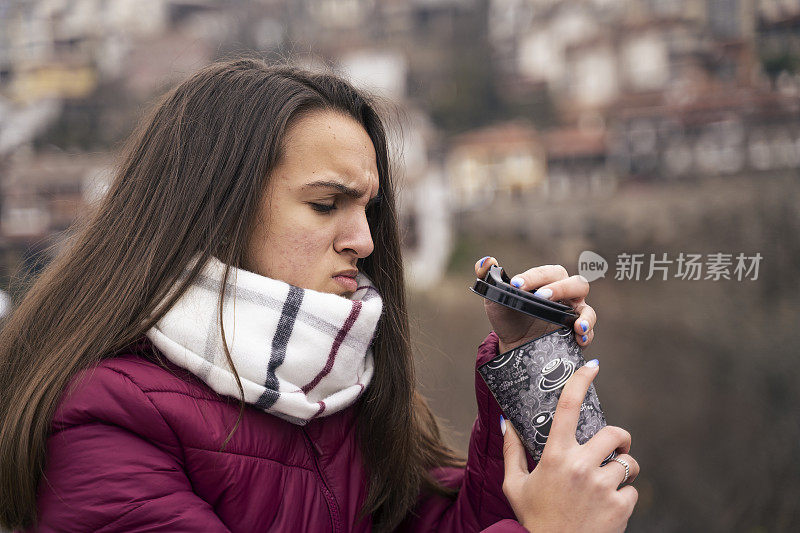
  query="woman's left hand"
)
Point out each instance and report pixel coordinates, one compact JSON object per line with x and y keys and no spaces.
{"x":514,"y":328}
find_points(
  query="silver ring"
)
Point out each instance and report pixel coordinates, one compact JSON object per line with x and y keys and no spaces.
{"x":627,"y":468}
{"x":564,"y":331}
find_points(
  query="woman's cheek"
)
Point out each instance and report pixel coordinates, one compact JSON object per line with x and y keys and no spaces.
{"x":306,"y":258}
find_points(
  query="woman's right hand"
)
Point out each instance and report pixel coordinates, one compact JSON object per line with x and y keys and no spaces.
{"x":568,"y":490}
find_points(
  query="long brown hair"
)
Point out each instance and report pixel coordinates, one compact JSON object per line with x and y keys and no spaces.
{"x":189,"y":182}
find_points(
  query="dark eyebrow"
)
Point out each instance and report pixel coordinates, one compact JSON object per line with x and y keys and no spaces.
{"x":341,"y":187}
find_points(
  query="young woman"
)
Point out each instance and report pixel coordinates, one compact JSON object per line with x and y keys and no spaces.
{"x":224,"y":345}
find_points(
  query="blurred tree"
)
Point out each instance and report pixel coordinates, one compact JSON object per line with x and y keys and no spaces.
{"x":96,"y":122}
{"x":468,"y":97}
{"x":776,"y":63}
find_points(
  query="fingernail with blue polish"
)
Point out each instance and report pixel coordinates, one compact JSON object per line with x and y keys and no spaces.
{"x":593,"y":363}
{"x":517,"y":282}
{"x":543,"y":293}
{"x":484,"y":259}
{"x":585,"y":325}
{"x":584,"y":338}
{"x":503,"y":425}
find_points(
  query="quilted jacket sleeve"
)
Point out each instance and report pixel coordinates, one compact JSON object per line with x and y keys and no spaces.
{"x":481,"y":504}
{"x":113,"y":464}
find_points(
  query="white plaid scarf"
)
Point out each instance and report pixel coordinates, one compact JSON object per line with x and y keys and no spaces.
{"x":299,"y":353}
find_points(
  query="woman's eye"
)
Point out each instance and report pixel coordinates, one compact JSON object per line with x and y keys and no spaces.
{"x":323,"y":208}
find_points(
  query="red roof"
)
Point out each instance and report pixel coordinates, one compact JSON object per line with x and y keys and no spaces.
{"x":566,"y":142}
{"x":513,"y":133}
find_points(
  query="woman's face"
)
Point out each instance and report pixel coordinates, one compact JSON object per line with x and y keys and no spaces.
{"x":312,"y":223}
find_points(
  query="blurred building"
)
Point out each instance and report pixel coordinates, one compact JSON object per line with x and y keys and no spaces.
{"x":697,"y":65}
{"x":58,"y":48}
{"x":577,"y":162}
{"x":534,"y":46}
{"x":503,"y":159}
{"x":90,"y":64}
{"x":44,"y":194}
{"x":744,"y":133}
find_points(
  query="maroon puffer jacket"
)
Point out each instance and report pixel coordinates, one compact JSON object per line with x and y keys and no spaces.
{"x":135,"y":448}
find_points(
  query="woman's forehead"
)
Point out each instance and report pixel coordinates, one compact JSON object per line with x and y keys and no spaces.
{"x":329,"y":129}
{"x":325,"y":148}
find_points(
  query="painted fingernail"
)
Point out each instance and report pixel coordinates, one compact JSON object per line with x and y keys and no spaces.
{"x":482,"y":260}
{"x":503,"y":425}
{"x":584,"y":338}
{"x":593,"y":363}
{"x":517,"y":282}
{"x":543,"y":293}
{"x":585,"y":325}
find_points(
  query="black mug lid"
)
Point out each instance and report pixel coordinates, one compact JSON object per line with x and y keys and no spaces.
{"x":496,"y":286}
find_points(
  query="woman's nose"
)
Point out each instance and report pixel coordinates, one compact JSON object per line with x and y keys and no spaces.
{"x":356,"y":236}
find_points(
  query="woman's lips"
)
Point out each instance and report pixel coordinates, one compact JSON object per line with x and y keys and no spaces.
{"x":349,"y":283}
